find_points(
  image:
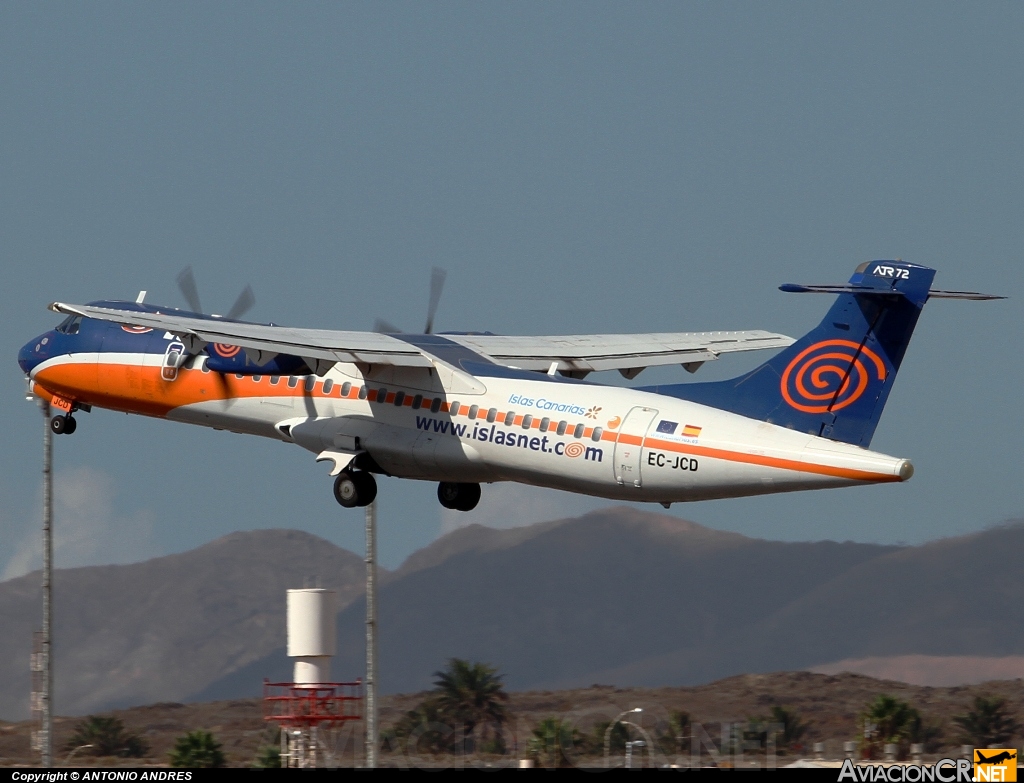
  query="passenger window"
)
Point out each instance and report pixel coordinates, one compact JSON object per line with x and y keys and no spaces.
{"x":274,"y":380}
{"x":293,"y":381}
{"x":239,"y":375}
{"x":382,"y":395}
{"x":453,"y":409}
{"x":257,"y":378}
{"x":399,"y":399}
{"x":328,"y":385}
{"x":363,"y":393}
{"x":598,"y":432}
{"x":527,"y":421}
{"x":578,"y":432}
{"x":509,"y":418}
{"x":417,"y":402}
{"x":346,"y":389}
{"x":544,"y":424}
{"x":310,"y":382}
{"x":561,"y":427}
{"x":435,"y":405}
{"x":473,"y":411}
{"x":492,"y":414}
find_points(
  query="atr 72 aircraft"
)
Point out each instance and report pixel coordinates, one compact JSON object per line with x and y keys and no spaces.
{"x":463,"y":409}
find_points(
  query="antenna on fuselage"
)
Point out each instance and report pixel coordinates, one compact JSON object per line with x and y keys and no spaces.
{"x":140,"y":298}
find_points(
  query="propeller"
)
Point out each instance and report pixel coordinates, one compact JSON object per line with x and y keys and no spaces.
{"x":243,"y":304}
{"x":437,"y":277}
{"x":385,"y":327}
{"x":189,"y":290}
{"x":245,"y":301}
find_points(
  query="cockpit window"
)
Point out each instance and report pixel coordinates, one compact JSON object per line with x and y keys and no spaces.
{"x":70,"y":324}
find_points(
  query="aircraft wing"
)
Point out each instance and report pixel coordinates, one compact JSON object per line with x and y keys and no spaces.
{"x":574,"y":355}
{"x":578,"y":354}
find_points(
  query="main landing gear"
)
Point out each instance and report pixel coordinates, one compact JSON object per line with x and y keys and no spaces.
{"x":355,"y":488}
{"x":63,"y":425}
{"x":459,"y":497}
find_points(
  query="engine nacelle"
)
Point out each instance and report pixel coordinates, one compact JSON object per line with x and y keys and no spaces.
{"x":233,"y":359}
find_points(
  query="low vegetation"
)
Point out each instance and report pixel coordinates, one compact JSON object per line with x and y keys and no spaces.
{"x":197,"y":750}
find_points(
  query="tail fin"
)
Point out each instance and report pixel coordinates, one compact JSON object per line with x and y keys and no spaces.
{"x":835,"y":380}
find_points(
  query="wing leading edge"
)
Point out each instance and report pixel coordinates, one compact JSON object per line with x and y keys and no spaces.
{"x":572,"y":355}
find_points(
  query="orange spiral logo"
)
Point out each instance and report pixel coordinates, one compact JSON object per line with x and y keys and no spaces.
{"x":838,"y":370}
{"x":574,"y":450}
{"x":227,"y":351}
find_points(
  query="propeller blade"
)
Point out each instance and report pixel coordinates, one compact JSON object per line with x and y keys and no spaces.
{"x":242,"y":304}
{"x":437,"y":276}
{"x":385,"y":327}
{"x":187,"y":286}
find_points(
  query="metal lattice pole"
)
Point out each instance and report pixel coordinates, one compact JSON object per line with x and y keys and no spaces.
{"x":46,"y":696}
{"x":371,"y":635}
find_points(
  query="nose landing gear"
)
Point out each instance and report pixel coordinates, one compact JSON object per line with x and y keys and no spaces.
{"x":63,"y":425}
{"x":354,"y":488}
{"x":459,"y":497}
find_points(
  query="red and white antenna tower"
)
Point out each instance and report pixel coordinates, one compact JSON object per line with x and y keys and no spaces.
{"x":309,"y":708}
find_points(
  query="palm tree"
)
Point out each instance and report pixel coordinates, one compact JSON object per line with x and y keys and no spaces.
{"x":888,"y":720}
{"x":471,"y":695}
{"x":106,"y":736}
{"x":197,"y":749}
{"x":989,"y":723}
{"x":792,"y":727}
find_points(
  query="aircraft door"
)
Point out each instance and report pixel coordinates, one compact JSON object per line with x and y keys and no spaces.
{"x":174,"y":357}
{"x":629,"y":445}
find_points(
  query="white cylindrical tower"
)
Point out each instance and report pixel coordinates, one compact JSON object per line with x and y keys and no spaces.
{"x":312,"y":614}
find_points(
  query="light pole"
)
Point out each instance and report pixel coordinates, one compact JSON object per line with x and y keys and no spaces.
{"x":608,"y":733}
{"x":72,"y":753}
{"x":46,"y":697}
{"x":371,"y":635}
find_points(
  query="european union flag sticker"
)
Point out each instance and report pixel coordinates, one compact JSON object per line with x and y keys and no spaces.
{"x":668,"y":427}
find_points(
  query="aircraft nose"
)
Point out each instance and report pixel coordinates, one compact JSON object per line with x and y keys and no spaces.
{"x":31,"y":354}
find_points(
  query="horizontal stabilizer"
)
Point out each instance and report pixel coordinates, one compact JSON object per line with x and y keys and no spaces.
{"x":797,"y":288}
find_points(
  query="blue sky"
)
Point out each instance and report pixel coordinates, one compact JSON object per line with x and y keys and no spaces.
{"x":576,"y":167}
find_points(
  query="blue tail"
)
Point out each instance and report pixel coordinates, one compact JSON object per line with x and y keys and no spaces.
{"x":834,"y":381}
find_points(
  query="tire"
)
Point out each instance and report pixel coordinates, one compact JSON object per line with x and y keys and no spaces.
{"x":70,"y":426}
{"x":58,"y":424}
{"x":458,"y":497}
{"x":346,"y":489}
{"x":448,"y":494}
{"x":366,"y":485}
{"x":356,"y":488}
{"x":470,"y":496}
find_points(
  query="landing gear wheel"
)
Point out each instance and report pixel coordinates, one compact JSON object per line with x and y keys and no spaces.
{"x":70,"y":426}
{"x":458,"y":497}
{"x":355,"y":488}
{"x":59,"y":425}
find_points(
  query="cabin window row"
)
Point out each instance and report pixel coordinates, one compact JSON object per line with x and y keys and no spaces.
{"x":435,"y":404}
